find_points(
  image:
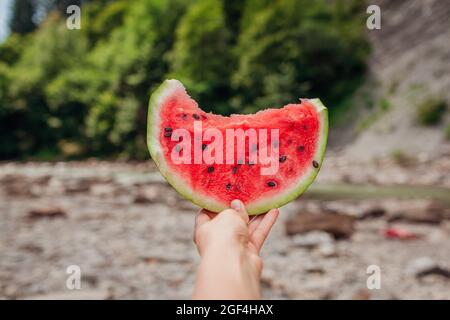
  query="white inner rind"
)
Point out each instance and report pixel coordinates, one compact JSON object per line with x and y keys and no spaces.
{"x":206,"y":201}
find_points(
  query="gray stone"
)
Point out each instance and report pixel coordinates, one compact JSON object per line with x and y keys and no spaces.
{"x":312,"y":239}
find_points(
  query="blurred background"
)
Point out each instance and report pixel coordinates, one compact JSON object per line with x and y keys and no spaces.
{"x":77,"y":186}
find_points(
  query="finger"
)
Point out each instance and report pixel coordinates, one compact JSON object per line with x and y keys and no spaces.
{"x":254,"y":223}
{"x":202,"y":217}
{"x":238,"y":206}
{"x":262,"y":231}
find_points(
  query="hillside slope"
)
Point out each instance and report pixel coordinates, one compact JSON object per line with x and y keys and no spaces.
{"x":410,"y":62}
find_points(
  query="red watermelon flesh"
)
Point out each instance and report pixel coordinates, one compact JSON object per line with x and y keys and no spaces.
{"x":302,"y":134}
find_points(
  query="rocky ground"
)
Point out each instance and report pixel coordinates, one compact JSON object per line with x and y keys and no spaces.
{"x":131,"y":235}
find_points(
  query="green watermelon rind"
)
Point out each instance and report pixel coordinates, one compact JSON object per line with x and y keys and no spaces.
{"x":205,"y":201}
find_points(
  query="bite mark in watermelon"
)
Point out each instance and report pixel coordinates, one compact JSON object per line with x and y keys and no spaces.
{"x":303,"y":132}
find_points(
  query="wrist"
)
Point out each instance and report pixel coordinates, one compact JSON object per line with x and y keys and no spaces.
{"x":229,"y":273}
{"x":223,"y":251}
{"x":226,"y":245}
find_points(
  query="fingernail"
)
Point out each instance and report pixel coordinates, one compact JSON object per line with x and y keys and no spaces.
{"x":274,"y":211}
{"x":236,"y":205}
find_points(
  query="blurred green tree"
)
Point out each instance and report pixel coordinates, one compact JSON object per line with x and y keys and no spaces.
{"x":85,"y":92}
{"x":23,"y":12}
{"x":202,"y":57}
{"x":296,"y":48}
{"x":116,"y":76}
{"x":50,"y":51}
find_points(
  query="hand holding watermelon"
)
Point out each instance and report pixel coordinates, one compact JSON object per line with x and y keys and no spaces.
{"x":266,"y":160}
{"x":229,"y":245}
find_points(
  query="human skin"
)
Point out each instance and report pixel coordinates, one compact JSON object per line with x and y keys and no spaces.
{"x":229,"y":246}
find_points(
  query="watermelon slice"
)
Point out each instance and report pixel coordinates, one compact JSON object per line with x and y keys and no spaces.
{"x":292,"y":148}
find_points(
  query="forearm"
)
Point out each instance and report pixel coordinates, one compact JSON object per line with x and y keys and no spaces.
{"x":226,"y":273}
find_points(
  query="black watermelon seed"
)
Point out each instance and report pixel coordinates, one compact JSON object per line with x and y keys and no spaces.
{"x":167,"y":134}
{"x":283,"y":158}
{"x":204,"y":146}
{"x":210,"y":169}
{"x":315,"y":164}
{"x":301,"y":148}
{"x":234,"y":169}
{"x":271,"y":184}
{"x":196,"y":116}
{"x":184,"y":116}
{"x":228,"y":186}
{"x":168,"y":129}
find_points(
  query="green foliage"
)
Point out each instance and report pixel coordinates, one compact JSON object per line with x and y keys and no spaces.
{"x":280,"y":49}
{"x":250,"y":9}
{"x":201,"y":56}
{"x":383,"y":106}
{"x":7,"y":115}
{"x":11,"y":49}
{"x":116,"y":76}
{"x":132,"y":63}
{"x":430,"y":111}
{"x":30,"y":121}
{"x":22,"y":16}
{"x":102,"y":18}
{"x":61,"y":5}
{"x":447,"y":132}
{"x":401,"y":158}
{"x":233,"y":10}
{"x":73,"y":93}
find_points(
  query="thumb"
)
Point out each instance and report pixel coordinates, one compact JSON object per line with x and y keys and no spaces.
{"x":238,"y":206}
